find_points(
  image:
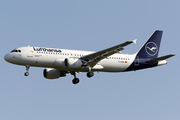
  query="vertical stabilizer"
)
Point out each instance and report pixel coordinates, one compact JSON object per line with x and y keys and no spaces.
{"x":151,"y":48}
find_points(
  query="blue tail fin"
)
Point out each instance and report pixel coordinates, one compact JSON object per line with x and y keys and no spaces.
{"x":151,"y":48}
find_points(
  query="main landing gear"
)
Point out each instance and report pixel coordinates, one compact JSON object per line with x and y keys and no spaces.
{"x":76,"y":80}
{"x":90,"y":74}
{"x":27,"y":69}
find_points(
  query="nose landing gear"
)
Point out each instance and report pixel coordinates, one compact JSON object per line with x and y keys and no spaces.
{"x":27,"y":69}
{"x":26,"y":73}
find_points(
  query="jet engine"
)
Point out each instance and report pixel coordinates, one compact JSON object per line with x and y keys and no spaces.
{"x":72,"y":63}
{"x":51,"y":73}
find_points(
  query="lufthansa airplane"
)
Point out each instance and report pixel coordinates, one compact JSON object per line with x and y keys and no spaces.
{"x":59,"y":62}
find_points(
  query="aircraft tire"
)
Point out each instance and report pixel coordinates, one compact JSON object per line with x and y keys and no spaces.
{"x":90,"y":74}
{"x":26,"y":73}
{"x":75,"y":81}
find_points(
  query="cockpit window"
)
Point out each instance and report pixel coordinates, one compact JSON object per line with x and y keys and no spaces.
{"x":15,"y":51}
{"x":12,"y":51}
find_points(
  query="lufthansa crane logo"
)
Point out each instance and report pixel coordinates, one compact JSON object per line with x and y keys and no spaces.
{"x":151,"y":48}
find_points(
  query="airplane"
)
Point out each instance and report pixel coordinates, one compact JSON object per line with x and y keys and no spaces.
{"x":59,"y":62}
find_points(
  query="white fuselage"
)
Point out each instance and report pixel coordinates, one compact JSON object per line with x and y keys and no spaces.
{"x":54,"y":58}
{"x":59,"y":62}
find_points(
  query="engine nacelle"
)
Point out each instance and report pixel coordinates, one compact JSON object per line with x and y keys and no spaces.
{"x":51,"y":73}
{"x":59,"y":63}
{"x":72,"y":63}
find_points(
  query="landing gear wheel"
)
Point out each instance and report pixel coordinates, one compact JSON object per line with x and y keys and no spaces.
{"x":26,"y":73}
{"x":75,"y":81}
{"x":90,"y":74}
{"x":27,"y":69}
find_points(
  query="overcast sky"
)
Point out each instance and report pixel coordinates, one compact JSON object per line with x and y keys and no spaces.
{"x":150,"y":94}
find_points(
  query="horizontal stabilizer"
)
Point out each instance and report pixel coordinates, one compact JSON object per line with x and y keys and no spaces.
{"x":161,"y":58}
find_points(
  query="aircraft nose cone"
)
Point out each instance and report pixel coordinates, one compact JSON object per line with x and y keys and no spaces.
{"x":7,"y":57}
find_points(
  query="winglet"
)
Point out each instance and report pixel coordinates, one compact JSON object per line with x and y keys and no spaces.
{"x":134,"y":41}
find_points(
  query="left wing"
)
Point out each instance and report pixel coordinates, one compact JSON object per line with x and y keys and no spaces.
{"x":92,"y":59}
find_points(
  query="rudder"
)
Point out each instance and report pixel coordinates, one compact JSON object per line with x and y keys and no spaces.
{"x":151,"y":48}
